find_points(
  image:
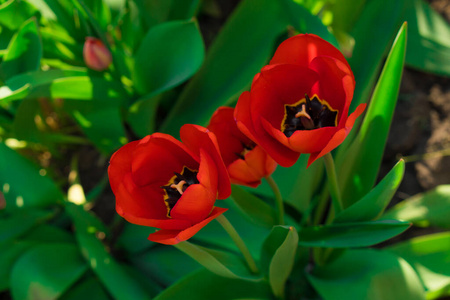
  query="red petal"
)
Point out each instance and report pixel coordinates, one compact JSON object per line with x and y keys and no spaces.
{"x":157,"y":157}
{"x":120,"y":164}
{"x":172,"y":237}
{"x":197,"y":137}
{"x":229,"y":137}
{"x":335,"y":85}
{"x":197,"y":201}
{"x":303,"y":48}
{"x":352,"y":118}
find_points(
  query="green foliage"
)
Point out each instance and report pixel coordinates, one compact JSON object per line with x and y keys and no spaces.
{"x":167,"y":70}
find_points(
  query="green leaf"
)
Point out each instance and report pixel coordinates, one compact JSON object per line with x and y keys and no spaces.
{"x":169,"y":54}
{"x":163,"y":264}
{"x":118,"y":283}
{"x":24,"y":51}
{"x":101,"y":122}
{"x":381,"y":18}
{"x":373,"y":204}
{"x":218,"y":262}
{"x":88,"y":288}
{"x":206,"y":285}
{"x":428,"y":43}
{"x":358,"y":167}
{"x":348,"y":235}
{"x":367,"y":274}
{"x":301,"y":186}
{"x":243,"y":46}
{"x":428,"y":255}
{"x":46,"y":271}
{"x":304,"y":22}
{"x":258,"y":211}
{"x":142,"y":114}
{"x":428,"y":209}
{"x":11,"y":251}
{"x":36,"y":191}
{"x":14,"y":13}
{"x":133,"y":238}
{"x":278,"y":256}
{"x":67,"y":84}
{"x":20,"y":223}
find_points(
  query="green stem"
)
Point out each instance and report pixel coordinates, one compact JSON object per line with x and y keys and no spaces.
{"x":239,"y":242}
{"x":278,"y":199}
{"x":332,"y":183}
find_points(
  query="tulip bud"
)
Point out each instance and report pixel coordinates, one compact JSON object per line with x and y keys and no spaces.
{"x":96,"y":55}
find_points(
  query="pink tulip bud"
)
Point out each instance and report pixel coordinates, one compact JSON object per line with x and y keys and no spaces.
{"x":96,"y":55}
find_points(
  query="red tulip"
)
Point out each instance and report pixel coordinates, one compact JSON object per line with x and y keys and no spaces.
{"x":160,"y":182}
{"x":246,"y":162}
{"x":299,"y":102}
{"x":96,"y":55}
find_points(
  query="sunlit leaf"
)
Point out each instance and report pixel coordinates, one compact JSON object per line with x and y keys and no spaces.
{"x":359,"y":165}
{"x":347,"y":235}
{"x":367,"y":274}
{"x":431,"y":208}
{"x":373,"y":204}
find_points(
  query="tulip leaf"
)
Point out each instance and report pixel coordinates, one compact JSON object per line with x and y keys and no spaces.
{"x":428,"y":43}
{"x":304,"y":22}
{"x":243,"y":46}
{"x":118,"y":283}
{"x":431,"y":208}
{"x":169,"y":54}
{"x":20,"y":223}
{"x":258,"y":211}
{"x":380,"y":18}
{"x":358,"y":167}
{"x":219,"y":262}
{"x":36,"y":191}
{"x":367,"y":274}
{"x":373,"y":204}
{"x":427,"y":255}
{"x":87,"y":288}
{"x":252,"y":234}
{"x":142,"y":114}
{"x":348,"y":235}
{"x":24,"y":51}
{"x":163,"y":264}
{"x":11,"y":251}
{"x":133,"y":238}
{"x":14,"y":13}
{"x":278,"y":256}
{"x":200,"y":283}
{"x":301,"y":185}
{"x":46,"y":271}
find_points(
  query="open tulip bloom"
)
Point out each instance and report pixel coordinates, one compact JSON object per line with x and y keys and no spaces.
{"x":160,"y":182}
{"x":299,"y":103}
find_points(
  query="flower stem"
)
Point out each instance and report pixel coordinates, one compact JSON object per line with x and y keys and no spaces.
{"x":278,"y":199}
{"x":332,"y":183}
{"x":239,"y":242}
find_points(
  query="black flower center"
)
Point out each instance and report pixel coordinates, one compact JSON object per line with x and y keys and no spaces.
{"x":246,"y":147}
{"x":308,"y":114}
{"x":176,"y":187}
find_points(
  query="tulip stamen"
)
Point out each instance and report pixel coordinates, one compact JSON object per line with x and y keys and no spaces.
{"x":308,"y":114}
{"x":177,"y":185}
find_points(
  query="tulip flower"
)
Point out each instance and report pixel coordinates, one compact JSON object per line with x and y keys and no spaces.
{"x":299,"y":103}
{"x":246,"y":162}
{"x":96,"y":55}
{"x":161,"y":182}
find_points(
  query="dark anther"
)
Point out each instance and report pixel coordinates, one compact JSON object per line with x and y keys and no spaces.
{"x":245,"y":148}
{"x":308,"y":114}
{"x":177,"y":186}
